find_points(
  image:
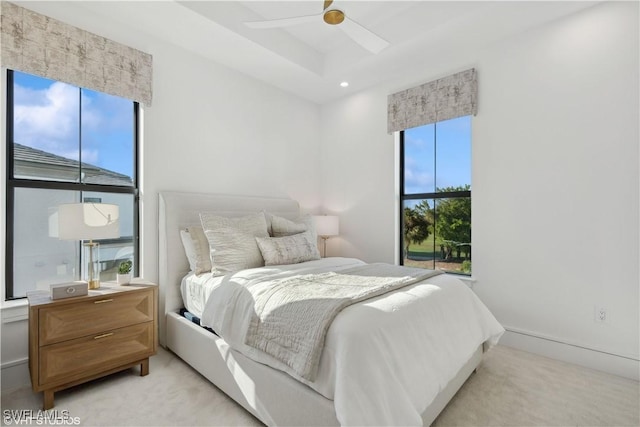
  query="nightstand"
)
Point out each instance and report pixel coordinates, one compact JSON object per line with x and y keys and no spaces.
{"x":75,"y":340}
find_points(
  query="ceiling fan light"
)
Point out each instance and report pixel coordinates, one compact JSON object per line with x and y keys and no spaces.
{"x":333,"y":17}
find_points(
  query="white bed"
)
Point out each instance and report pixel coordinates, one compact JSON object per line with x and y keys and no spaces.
{"x":271,"y":395}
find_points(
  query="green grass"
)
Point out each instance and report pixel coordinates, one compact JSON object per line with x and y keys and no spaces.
{"x":423,"y":256}
{"x":425,"y":248}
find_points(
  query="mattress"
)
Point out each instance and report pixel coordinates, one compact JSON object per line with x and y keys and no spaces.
{"x":195,"y":290}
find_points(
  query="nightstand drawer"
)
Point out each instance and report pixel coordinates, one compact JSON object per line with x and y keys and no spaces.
{"x":65,"y":322}
{"x":67,"y":361}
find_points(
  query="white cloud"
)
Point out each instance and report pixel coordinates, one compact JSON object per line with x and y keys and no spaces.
{"x":91,"y":118}
{"x":48,"y":119}
{"x":417,"y":177}
{"x":421,"y":181}
{"x":104,"y":114}
{"x":414,"y":141}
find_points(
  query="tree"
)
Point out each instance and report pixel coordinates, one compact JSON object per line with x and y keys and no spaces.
{"x":453,"y":223}
{"x":416,"y":225}
{"x":425,"y":210}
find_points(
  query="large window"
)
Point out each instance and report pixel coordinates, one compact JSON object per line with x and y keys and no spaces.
{"x":65,"y":144}
{"x":435,"y":194}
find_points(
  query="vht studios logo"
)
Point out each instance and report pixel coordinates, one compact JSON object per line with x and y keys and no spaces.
{"x":31,"y":417}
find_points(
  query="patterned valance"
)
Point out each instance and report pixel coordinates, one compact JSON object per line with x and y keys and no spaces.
{"x":43,"y":46}
{"x":439,"y":100}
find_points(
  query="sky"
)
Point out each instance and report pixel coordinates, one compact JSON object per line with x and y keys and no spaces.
{"x":47,"y":116}
{"x":452,"y":166}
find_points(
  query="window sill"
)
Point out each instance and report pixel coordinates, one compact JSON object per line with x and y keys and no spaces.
{"x":14,"y":311}
{"x":468,"y":280}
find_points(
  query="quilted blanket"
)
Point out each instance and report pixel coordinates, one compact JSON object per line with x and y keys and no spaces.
{"x":292,"y":316}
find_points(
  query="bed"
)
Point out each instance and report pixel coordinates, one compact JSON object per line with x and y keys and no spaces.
{"x":279,"y":398}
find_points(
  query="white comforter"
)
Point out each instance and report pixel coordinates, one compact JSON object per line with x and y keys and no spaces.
{"x":385,"y":359}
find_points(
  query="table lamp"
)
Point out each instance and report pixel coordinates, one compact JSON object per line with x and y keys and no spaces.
{"x":326,"y":226}
{"x":89,"y":221}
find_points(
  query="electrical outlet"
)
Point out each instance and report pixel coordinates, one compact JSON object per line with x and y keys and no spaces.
{"x":601,"y":315}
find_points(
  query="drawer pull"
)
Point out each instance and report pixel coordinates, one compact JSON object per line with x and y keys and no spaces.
{"x":103,"y":336}
{"x":103,"y":301}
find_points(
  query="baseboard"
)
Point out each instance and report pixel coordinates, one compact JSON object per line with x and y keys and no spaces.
{"x":622,"y":366}
{"x":15,"y":374}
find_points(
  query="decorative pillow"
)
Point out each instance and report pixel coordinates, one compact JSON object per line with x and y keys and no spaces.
{"x":288,"y":249}
{"x":283,"y":227}
{"x":196,"y":247}
{"x":232,"y":241}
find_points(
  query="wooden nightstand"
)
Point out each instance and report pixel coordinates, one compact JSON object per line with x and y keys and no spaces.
{"x":75,"y":340}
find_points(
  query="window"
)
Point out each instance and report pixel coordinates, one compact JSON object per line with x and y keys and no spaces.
{"x":65,"y":144}
{"x":435,"y":196}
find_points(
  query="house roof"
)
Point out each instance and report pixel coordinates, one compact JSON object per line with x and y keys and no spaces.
{"x":29,"y":159}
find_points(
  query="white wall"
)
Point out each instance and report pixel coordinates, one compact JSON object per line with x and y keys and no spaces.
{"x":566,"y":218}
{"x":213,"y":130}
{"x":210,"y":129}
{"x":555,"y":181}
{"x":358,"y":174}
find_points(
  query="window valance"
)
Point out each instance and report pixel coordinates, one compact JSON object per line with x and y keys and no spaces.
{"x":443,"y":99}
{"x":43,"y":46}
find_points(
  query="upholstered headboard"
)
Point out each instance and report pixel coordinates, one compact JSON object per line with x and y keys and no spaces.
{"x":178,"y":210}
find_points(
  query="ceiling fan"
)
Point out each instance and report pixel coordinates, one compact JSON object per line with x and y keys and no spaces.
{"x":365,"y":38}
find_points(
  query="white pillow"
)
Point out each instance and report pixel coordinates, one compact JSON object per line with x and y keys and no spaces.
{"x":288,"y":249}
{"x":284,"y":227}
{"x":196,"y":247}
{"x":232,"y":241}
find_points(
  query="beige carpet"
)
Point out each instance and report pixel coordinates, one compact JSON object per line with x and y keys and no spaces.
{"x":510,"y":388}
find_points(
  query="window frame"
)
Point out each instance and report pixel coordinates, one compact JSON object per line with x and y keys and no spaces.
{"x":13,"y":183}
{"x":422,"y":196}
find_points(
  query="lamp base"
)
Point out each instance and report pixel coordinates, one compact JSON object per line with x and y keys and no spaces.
{"x":324,"y":241}
{"x":92,"y":271}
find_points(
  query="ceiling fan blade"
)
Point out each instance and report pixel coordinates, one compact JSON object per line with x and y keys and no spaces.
{"x":365,"y":38}
{"x":284,"y":22}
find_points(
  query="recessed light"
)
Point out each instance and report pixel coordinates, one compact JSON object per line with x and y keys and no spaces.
{"x":344,"y":84}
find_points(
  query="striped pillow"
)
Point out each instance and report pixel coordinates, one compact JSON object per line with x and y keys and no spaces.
{"x":232,"y":241}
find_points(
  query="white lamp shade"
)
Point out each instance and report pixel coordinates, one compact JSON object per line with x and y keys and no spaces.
{"x":86,"y":221}
{"x":327,"y":225}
